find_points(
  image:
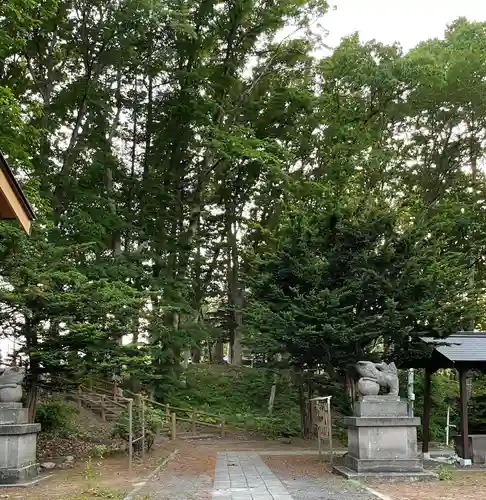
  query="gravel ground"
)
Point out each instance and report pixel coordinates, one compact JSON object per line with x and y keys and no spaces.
{"x":189,"y":476}
{"x":308,"y":479}
{"x":462,"y":486}
{"x":328,"y":488}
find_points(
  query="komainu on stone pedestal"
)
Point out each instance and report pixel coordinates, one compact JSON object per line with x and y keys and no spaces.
{"x":376,"y":375}
{"x":382,"y":438}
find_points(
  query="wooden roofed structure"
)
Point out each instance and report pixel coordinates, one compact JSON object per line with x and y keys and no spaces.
{"x":13,"y":203}
{"x":462,"y":351}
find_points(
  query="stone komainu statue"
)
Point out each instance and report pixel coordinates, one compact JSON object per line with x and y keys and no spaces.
{"x":11,"y":379}
{"x":376,"y":375}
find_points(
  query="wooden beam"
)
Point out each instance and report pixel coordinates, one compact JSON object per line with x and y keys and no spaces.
{"x":464,"y":426}
{"x":10,"y":204}
{"x":426,"y":414}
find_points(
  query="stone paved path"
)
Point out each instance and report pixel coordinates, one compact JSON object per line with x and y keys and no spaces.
{"x":244,"y":476}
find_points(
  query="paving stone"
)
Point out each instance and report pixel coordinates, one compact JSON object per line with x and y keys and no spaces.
{"x":244,"y":476}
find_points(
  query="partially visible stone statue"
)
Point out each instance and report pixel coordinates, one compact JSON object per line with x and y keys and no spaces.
{"x":11,"y":379}
{"x":376,"y":375}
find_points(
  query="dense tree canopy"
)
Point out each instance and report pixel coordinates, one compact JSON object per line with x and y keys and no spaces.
{"x":201,"y":179}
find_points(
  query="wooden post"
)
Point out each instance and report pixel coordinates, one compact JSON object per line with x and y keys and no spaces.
{"x":193,"y":418}
{"x":329,"y":419}
{"x":103,"y":414}
{"x":174,"y":425}
{"x":167,"y":412}
{"x":426,"y":415}
{"x":464,"y":416}
{"x":223,"y":430}
{"x":143,"y":425}
{"x":130,"y":434}
{"x":115,"y":390}
{"x":80,"y":397}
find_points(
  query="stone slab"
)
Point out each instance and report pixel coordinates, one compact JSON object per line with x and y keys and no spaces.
{"x":244,"y":476}
{"x":14,"y":415}
{"x":382,"y":398}
{"x":388,"y":443}
{"x":380,"y":407}
{"x":382,"y":421}
{"x":383,"y":465}
{"x":388,"y":476}
{"x":10,"y":405}
{"x":17,"y":448}
{"x":26,"y":484}
{"x":19,"y":475}
{"x":18,"y":429}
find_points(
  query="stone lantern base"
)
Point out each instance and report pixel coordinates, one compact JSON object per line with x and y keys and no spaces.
{"x":18,"y":443}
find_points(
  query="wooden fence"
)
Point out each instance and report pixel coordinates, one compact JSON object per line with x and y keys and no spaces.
{"x":174,"y":414}
{"x":110,"y":403}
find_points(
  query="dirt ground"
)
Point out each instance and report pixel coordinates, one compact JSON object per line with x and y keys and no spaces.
{"x":462,"y":486}
{"x":297,"y":466}
{"x":189,"y":476}
{"x":106,"y":478}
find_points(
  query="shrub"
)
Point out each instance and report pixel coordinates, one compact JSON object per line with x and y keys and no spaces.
{"x":154,"y":423}
{"x":57,"y":418}
{"x":277,"y":427}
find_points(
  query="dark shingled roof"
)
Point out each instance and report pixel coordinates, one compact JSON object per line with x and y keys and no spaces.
{"x":461,"y":346}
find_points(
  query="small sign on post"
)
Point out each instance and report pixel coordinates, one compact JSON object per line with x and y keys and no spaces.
{"x":324,"y":423}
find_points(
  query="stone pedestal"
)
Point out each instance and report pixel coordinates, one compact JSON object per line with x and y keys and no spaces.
{"x":382,"y":440}
{"x":18,"y":442}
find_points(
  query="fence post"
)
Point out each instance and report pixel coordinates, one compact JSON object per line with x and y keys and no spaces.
{"x":167,"y":412}
{"x":80,"y":397}
{"x":103,"y":415}
{"x":143,"y":425}
{"x":223,"y":430}
{"x":174,"y":422}
{"x":130,"y":434}
{"x":194,"y":422}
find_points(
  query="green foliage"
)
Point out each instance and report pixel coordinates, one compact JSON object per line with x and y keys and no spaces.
{"x":241,"y":395}
{"x":233,"y":390}
{"x":154,"y":420}
{"x":338,"y":280}
{"x":444,"y":393}
{"x":57,"y":418}
{"x":444,"y":473}
{"x":275,"y":427}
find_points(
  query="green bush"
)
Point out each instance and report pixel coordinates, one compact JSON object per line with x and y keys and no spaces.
{"x":233,"y":390}
{"x":57,"y":418}
{"x":154,"y":424}
{"x":277,"y":427}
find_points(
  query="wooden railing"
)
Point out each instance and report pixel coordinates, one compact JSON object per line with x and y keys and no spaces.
{"x":173,"y":414}
{"x":99,"y":394}
{"x":87,"y":396}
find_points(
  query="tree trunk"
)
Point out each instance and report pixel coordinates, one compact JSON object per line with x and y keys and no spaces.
{"x":196,"y":354}
{"x":235,"y":293}
{"x":218,"y":353}
{"x":33,"y":370}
